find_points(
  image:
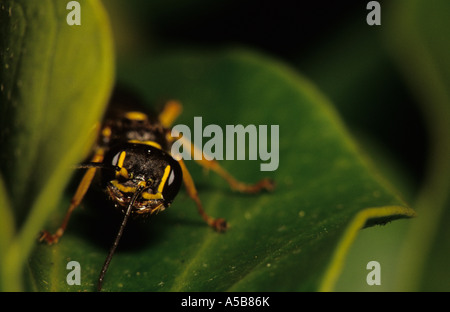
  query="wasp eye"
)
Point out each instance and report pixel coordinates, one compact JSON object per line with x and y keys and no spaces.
{"x":118,"y":159}
{"x":115,"y":159}
{"x":173,"y":182}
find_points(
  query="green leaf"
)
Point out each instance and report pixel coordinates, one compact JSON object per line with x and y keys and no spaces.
{"x":354,"y":70}
{"x":414,"y":255}
{"x":421,"y":51}
{"x":54,"y":83}
{"x":7,"y":229}
{"x":295,"y":238}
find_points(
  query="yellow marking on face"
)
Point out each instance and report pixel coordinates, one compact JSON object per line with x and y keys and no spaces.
{"x":158,"y":195}
{"x":149,"y":143}
{"x":164,"y":179}
{"x":142,"y":184}
{"x":132,"y":189}
{"x":147,"y":195}
{"x":122,"y":156}
{"x":136,"y":116}
{"x":123,"y":171}
{"x":123,"y":188}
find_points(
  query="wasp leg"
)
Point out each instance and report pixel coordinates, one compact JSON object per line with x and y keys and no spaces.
{"x":265,"y":184}
{"x":218,"y":224}
{"x":75,"y":202}
{"x":170,"y":112}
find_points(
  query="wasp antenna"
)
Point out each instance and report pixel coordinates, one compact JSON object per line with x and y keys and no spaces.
{"x":88,"y":165}
{"x":116,"y":241}
{"x":98,"y":165}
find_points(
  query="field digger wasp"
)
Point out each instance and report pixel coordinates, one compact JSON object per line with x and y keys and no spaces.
{"x":138,"y":173}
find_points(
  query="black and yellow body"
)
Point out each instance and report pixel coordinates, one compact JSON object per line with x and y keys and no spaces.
{"x":138,"y":172}
{"x":138,"y":150}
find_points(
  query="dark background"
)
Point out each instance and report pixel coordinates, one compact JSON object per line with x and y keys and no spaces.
{"x":329,"y":42}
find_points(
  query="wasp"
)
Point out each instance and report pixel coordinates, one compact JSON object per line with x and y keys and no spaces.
{"x":138,"y":173}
